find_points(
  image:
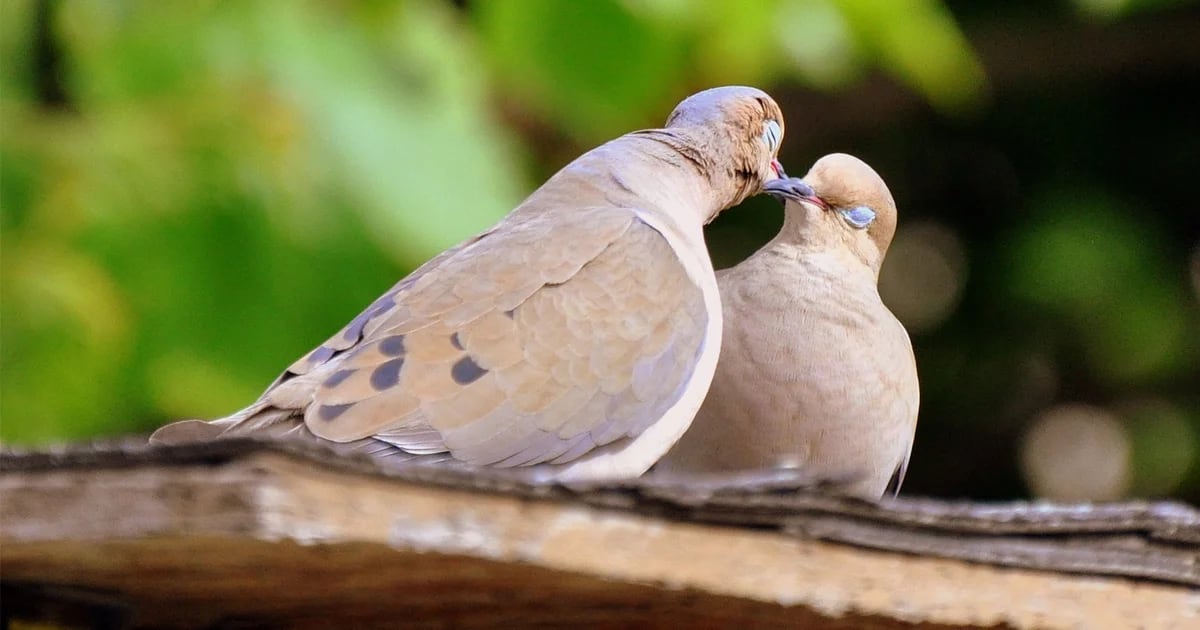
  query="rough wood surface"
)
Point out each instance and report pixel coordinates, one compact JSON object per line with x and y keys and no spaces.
{"x":244,"y":532}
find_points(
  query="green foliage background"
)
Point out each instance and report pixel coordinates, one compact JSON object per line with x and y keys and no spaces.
{"x":192,"y":194}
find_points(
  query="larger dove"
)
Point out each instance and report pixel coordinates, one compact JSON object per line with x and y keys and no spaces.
{"x":815,"y":371}
{"x":580,"y":333}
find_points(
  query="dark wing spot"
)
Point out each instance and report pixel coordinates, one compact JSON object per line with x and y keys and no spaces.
{"x":329,"y":412}
{"x":455,"y":342}
{"x":466,"y":371}
{"x":337,"y":377}
{"x":387,"y":374}
{"x":355,"y":327}
{"x":392,"y":346}
{"x":509,"y":313}
{"x":320,"y":355}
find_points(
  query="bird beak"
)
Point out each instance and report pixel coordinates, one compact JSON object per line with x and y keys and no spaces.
{"x":793,"y":189}
{"x":778,"y":168}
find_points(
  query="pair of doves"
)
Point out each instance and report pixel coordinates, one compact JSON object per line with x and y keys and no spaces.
{"x":580,"y":335}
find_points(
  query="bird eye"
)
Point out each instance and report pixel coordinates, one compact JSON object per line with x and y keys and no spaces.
{"x":771,"y":135}
{"x":858,"y":216}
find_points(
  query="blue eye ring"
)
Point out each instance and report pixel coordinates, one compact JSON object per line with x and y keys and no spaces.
{"x":772,"y":134}
{"x":859,"y":217}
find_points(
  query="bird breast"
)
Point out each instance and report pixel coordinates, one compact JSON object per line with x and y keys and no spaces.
{"x":815,"y":365}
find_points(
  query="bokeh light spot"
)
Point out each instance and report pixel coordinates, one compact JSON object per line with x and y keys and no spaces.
{"x":923,"y":275}
{"x":1076,"y":453}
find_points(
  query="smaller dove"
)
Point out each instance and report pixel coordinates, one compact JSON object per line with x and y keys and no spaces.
{"x":576,"y":337}
{"x":815,"y":372}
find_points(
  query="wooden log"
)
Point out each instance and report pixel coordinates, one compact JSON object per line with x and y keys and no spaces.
{"x":243,"y":533}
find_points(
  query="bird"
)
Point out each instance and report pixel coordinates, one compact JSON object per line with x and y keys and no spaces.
{"x":576,"y":337}
{"x":815,"y":372}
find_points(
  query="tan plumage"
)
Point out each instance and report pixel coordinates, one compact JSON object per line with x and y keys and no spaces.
{"x":580,"y":332}
{"x":815,"y":372}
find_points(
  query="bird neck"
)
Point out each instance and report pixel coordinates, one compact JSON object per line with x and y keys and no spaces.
{"x":702,"y":162}
{"x":665,"y":171}
{"x":810,"y":234}
{"x":805,"y":228}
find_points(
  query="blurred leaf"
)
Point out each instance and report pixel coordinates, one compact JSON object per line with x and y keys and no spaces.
{"x":816,"y":37}
{"x":1094,"y":265}
{"x":736,"y":39}
{"x":666,"y":11}
{"x":221,"y":194}
{"x":919,"y":42}
{"x":1164,"y":447}
{"x":591,"y":66}
{"x":15,"y":49}
{"x":64,"y":319}
{"x":404,"y":129}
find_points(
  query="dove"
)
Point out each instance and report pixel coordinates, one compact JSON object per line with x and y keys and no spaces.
{"x":815,"y":372}
{"x":577,"y":336}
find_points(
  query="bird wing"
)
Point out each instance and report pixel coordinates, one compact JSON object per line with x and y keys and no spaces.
{"x":535,"y":342}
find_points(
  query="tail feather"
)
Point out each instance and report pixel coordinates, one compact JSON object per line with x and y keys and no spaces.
{"x":273,"y":423}
{"x":256,"y":419}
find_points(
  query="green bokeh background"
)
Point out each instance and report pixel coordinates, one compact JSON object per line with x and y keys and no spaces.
{"x":192,"y":194}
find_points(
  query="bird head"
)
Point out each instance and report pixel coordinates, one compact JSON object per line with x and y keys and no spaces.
{"x":739,"y":131}
{"x":844,"y":200}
